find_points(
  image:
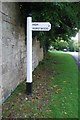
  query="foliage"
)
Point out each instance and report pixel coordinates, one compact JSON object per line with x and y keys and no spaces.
{"x":60,"y":45}
{"x":70,"y":45}
{"x":74,"y":45}
{"x":64,"y":18}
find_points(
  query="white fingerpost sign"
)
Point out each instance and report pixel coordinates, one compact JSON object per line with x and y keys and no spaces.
{"x":32,"y":26}
{"x":29,"y":56}
{"x":41,"y":26}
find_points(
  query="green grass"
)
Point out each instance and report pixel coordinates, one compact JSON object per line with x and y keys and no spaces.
{"x":55,"y":91}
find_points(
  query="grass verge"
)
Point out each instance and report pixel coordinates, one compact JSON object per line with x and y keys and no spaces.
{"x":55,"y":91}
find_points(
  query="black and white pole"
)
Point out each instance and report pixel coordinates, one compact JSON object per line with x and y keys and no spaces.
{"x":29,"y":56}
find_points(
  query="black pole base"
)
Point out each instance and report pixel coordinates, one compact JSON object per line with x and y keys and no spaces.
{"x":29,"y":88}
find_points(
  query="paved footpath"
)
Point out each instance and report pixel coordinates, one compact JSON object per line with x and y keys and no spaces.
{"x":76,"y":56}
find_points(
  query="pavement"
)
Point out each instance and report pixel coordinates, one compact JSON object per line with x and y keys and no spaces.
{"x":76,"y":56}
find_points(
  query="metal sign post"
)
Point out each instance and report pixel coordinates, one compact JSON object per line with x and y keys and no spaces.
{"x":32,"y":26}
{"x":29,"y":56}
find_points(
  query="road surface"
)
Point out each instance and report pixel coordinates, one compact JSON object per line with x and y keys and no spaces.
{"x":76,"y":56}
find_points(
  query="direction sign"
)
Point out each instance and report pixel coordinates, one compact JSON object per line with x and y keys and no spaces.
{"x":32,"y":26}
{"x":41,"y":26}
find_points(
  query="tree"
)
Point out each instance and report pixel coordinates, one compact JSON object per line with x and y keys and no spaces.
{"x":64,"y":18}
{"x":76,"y":47}
{"x":60,"y":45}
{"x":63,"y":45}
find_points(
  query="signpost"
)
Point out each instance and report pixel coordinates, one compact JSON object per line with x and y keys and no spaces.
{"x":41,"y":26}
{"x":32,"y":26}
{"x":29,"y":56}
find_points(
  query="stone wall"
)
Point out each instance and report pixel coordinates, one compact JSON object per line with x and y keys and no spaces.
{"x":37,"y":53}
{"x":0,"y":62}
{"x":14,"y":49}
